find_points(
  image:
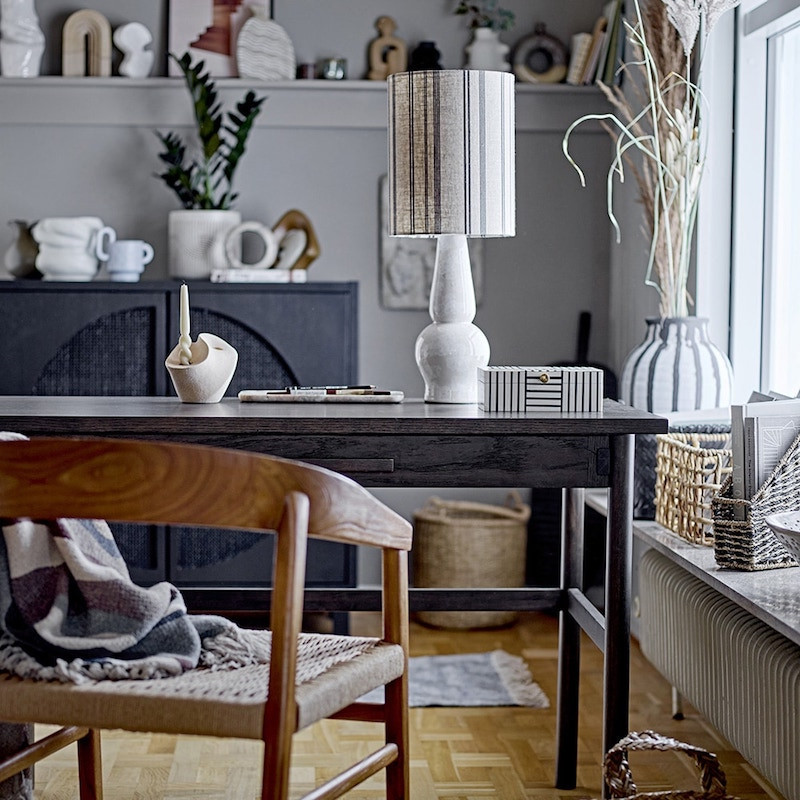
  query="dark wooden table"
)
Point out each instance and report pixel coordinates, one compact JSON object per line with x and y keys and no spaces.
{"x":415,"y":444}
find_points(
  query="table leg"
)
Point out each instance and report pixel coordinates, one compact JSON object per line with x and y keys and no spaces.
{"x":569,"y":640}
{"x":616,"y":675}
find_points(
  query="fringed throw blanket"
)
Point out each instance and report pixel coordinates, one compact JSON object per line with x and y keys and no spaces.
{"x":69,"y":611}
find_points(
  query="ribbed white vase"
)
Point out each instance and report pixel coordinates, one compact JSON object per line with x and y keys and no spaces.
{"x":676,"y":368}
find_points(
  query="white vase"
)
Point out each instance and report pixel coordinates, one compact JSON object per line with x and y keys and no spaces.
{"x":676,"y":368}
{"x":486,"y":51}
{"x":197,"y":241}
{"x":21,"y":39}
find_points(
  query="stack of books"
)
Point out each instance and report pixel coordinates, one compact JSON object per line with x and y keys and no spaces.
{"x":762,"y":430}
{"x":597,"y":56}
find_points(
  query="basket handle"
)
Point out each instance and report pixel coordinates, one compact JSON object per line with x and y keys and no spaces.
{"x":618,"y":775}
{"x":513,"y":508}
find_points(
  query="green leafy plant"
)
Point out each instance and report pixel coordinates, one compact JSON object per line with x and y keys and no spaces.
{"x":206,"y":182}
{"x":486,"y":14}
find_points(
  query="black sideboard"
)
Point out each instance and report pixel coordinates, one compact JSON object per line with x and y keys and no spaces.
{"x":111,"y":339}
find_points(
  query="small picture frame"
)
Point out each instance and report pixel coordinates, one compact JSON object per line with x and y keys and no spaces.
{"x":207,"y":30}
{"x":406,"y":264}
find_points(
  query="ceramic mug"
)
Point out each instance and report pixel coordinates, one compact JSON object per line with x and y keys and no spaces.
{"x":69,"y":247}
{"x":126,"y":259}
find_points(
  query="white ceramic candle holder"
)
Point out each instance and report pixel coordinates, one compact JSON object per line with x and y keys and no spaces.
{"x":208,"y":375}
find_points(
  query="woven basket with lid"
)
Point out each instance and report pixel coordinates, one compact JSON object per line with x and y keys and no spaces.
{"x":462,"y":544}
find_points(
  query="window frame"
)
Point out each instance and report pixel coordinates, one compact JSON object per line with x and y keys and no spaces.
{"x":758,"y":24}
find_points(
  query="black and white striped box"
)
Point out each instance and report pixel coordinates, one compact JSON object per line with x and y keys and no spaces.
{"x":540,"y":389}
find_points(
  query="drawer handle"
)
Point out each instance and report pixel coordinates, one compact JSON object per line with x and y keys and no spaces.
{"x":350,"y":465}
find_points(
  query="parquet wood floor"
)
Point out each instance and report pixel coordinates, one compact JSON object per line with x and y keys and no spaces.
{"x":456,"y":753}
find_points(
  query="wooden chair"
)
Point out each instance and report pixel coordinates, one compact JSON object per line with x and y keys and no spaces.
{"x":174,"y":484}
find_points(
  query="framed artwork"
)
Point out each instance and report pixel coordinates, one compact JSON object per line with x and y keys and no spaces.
{"x":208,"y":29}
{"x":406,"y":264}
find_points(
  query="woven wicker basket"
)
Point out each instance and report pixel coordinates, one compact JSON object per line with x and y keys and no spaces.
{"x":742,"y":538}
{"x":690,"y":470}
{"x":619,"y":779}
{"x":459,"y":544}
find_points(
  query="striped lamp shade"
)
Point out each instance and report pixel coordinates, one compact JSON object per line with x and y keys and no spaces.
{"x":451,"y":153}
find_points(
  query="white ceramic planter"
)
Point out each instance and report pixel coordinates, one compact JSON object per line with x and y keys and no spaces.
{"x":197,"y":241}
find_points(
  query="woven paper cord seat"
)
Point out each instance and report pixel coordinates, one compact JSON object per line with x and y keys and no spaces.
{"x":210,"y":703}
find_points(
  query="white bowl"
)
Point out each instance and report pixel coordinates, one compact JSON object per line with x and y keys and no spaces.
{"x":786,"y":527}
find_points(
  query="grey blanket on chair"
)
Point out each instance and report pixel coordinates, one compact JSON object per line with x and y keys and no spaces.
{"x":69,"y":611}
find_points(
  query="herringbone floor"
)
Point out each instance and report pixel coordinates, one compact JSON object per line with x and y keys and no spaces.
{"x":456,"y":754}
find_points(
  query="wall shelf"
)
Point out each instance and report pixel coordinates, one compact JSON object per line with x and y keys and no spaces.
{"x":163,"y":102}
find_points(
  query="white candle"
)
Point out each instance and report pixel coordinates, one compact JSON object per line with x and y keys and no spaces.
{"x":185,"y":340}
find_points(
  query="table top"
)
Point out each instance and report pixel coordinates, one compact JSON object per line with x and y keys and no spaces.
{"x":93,"y":415}
{"x":773,"y":595}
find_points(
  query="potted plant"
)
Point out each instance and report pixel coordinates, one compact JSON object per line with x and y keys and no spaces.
{"x":656,"y":128}
{"x":486,"y":20}
{"x":204,"y":184}
{"x":486,"y":14}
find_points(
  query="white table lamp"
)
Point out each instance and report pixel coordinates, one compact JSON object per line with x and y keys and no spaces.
{"x":451,"y":175}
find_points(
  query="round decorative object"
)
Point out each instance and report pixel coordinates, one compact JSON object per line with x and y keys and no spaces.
{"x":265,"y":51}
{"x":540,"y":58}
{"x":233,"y":245}
{"x":676,"y":368}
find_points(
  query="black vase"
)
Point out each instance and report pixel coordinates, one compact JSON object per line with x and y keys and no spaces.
{"x":425,"y":56}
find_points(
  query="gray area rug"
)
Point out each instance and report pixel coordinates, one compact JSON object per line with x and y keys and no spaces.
{"x":473,"y":679}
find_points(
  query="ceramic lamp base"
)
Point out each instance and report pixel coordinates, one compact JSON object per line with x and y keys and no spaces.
{"x":450,"y":350}
{"x":448,"y":356}
{"x":209,"y":375}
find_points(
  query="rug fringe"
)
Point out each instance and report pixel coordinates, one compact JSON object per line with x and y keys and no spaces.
{"x":517,"y":679}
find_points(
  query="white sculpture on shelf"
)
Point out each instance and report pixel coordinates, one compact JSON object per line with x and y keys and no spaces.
{"x":21,"y":39}
{"x":132,"y":39}
{"x":201,"y":371}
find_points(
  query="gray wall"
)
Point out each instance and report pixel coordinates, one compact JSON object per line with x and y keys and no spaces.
{"x":534,"y":284}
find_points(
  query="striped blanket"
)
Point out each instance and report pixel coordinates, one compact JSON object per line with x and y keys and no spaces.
{"x":69,"y":611}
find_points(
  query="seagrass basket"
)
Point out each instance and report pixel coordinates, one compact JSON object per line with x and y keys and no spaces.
{"x":461,"y":544}
{"x":690,"y":470}
{"x":742,"y":538}
{"x":619,"y":779}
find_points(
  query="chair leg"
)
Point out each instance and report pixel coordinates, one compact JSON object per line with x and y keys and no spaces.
{"x":90,"y":767}
{"x":275,"y":775}
{"x":397,"y":778}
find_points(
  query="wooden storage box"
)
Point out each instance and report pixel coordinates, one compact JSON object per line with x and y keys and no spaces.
{"x":577,"y":389}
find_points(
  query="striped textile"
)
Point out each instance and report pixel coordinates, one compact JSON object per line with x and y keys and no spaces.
{"x":451,"y":153}
{"x":69,"y":610}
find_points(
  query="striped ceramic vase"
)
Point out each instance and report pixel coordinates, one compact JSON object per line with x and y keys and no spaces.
{"x":676,"y":368}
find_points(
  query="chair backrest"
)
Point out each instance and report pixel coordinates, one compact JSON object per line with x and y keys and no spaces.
{"x":180,"y":484}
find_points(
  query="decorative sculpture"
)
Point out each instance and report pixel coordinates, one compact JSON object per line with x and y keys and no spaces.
{"x":201,"y":371}
{"x":387,"y":53}
{"x":21,"y":39}
{"x":86,"y":45}
{"x":132,"y":39}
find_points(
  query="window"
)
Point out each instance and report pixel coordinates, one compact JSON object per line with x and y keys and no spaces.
{"x":765,"y":323}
